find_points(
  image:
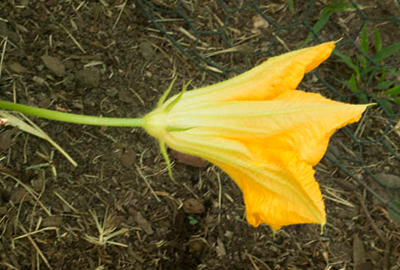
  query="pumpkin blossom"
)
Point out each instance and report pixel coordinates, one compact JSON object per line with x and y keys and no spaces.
{"x":257,"y":127}
{"x":262,"y":132}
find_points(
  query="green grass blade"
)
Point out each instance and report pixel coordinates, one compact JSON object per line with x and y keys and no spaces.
{"x":366,"y":71}
{"x":383,"y":76}
{"x":340,"y":7}
{"x":325,"y":14}
{"x":384,"y":85}
{"x":386,"y":52}
{"x":319,"y":25}
{"x":347,"y":60}
{"x":353,"y":84}
{"x":396,"y":100}
{"x":385,"y":104}
{"x":378,"y":40}
{"x":393,"y":91}
{"x":291,"y":6}
{"x":364,"y":39}
{"x":394,"y":72}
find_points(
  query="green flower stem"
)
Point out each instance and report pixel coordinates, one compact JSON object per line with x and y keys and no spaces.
{"x":72,"y":118}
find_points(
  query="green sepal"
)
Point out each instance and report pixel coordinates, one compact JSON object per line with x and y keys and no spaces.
{"x":167,"y":160}
{"x":166,"y":93}
{"x":273,"y":234}
{"x":172,"y":104}
{"x":176,"y":129}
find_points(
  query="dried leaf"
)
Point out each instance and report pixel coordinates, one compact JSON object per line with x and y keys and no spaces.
{"x":52,"y":221}
{"x":221,"y":252}
{"x":17,"y":67}
{"x":128,"y":157}
{"x":141,"y":221}
{"x":259,"y":22}
{"x":54,"y":64}
{"x":390,"y":181}
{"x":19,"y":195}
{"x":189,"y":159}
{"x":28,"y":126}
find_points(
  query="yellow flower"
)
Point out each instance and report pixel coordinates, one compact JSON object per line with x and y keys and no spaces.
{"x":262,"y":132}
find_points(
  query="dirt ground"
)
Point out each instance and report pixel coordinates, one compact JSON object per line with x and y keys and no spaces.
{"x":118,"y":209}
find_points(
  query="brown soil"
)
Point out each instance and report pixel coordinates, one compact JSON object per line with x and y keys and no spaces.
{"x":106,"y":58}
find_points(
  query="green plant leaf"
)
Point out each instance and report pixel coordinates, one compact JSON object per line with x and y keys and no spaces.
{"x":348,"y":85}
{"x":393,"y":72}
{"x":386,"y":52}
{"x":364,"y":45}
{"x":291,"y":6}
{"x":339,"y":7}
{"x":353,"y":84}
{"x":385,"y":103}
{"x":347,"y":60}
{"x":393,"y":91}
{"x":364,"y":39}
{"x":366,"y":71}
{"x":192,"y":220}
{"x":359,"y":58}
{"x":325,"y":14}
{"x":378,"y":40}
{"x":383,"y":76}
{"x":394,"y":211}
{"x":318,"y":25}
{"x":396,"y":100}
{"x":384,"y":85}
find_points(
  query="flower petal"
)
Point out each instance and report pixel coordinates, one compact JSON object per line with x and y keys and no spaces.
{"x":283,"y":193}
{"x":266,"y":81}
{"x":278,"y":188}
{"x":294,"y":121}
